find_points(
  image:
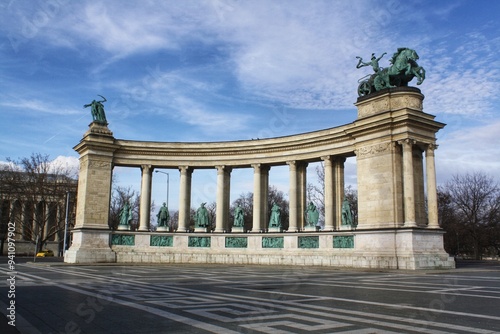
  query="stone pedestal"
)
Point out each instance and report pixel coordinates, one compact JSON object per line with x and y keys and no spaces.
{"x":91,"y":242}
{"x":274,"y":230}
{"x":162,"y":229}
{"x":200,"y":230}
{"x":310,"y":228}
{"x":90,"y":246}
{"x":123,"y":228}
{"x":237,"y":229}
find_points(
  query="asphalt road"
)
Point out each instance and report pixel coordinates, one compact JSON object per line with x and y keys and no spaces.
{"x":52,"y":297}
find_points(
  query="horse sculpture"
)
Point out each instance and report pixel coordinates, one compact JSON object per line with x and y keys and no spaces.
{"x":403,"y":69}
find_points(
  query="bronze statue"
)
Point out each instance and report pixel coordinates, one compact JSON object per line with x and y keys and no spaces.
{"x":202,"y":216}
{"x":239,"y":216}
{"x":373,"y":62}
{"x":402,"y":70}
{"x":275,"y":220}
{"x":97,"y":110}
{"x":346,"y":213}
{"x":125,"y":214}
{"x":163,"y":215}
{"x":312,"y":215}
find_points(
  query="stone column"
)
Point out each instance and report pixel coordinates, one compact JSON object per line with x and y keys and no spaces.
{"x":329,"y":194}
{"x":257,"y":197}
{"x":419,"y":187}
{"x":408,"y":183}
{"x":227,"y":198}
{"x":145,"y":204}
{"x":339,"y":191}
{"x":223,"y":190}
{"x":264,"y":171}
{"x":432,"y":203}
{"x":293,"y":197}
{"x":184,"y":198}
{"x":302,"y":191}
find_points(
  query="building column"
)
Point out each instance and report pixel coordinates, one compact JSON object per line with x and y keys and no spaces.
{"x":302,"y":194}
{"x":145,"y":204}
{"x":223,"y":191}
{"x":264,"y":216}
{"x":339,"y":191}
{"x":329,"y":194}
{"x":293,"y":197}
{"x":257,"y":197}
{"x":432,"y":203}
{"x":184,"y":198}
{"x":408,"y":183}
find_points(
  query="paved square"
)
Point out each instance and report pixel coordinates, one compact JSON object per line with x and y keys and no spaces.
{"x":60,"y":298}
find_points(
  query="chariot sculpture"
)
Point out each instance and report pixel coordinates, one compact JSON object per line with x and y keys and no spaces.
{"x":402,"y":70}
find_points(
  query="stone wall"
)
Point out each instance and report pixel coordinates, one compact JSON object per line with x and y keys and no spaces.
{"x":389,"y":249}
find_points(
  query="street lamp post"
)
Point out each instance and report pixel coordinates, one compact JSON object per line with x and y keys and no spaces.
{"x":66,"y":223}
{"x":168,"y":181}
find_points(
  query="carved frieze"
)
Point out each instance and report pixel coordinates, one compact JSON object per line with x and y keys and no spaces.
{"x":412,"y":102}
{"x":372,"y":150}
{"x":99,"y":164}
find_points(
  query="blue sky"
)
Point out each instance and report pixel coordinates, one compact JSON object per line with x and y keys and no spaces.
{"x":232,"y":69}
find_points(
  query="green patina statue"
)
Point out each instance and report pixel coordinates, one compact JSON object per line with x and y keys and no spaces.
{"x":202,"y":216}
{"x":163,"y":215}
{"x":125,"y":214}
{"x":312,"y":215}
{"x":239,"y":216}
{"x":275,"y":220}
{"x":97,"y":110}
{"x":402,"y":70}
{"x":346,"y":213}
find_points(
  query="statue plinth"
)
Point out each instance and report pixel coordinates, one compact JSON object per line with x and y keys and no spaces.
{"x":162,"y":229}
{"x":98,"y":128}
{"x":390,"y":99}
{"x":237,"y":229}
{"x":123,"y":228}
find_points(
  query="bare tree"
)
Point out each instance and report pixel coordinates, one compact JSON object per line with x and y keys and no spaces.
{"x":475,"y":202}
{"x":316,"y":194}
{"x":37,"y":188}
{"x":246,"y":203}
{"x":275,"y":196}
{"x":212,"y":214}
{"x":351,"y":195}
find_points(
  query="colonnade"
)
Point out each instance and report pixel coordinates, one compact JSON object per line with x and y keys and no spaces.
{"x":334,"y":195}
{"x":388,"y":140}
{"x":413,"y":200}
{"x":23,"y":215}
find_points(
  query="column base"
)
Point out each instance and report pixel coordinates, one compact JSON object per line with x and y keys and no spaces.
{"x":90,"y":246}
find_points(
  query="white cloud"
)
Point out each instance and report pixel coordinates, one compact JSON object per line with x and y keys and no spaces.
{"x":463,"y":80}
{"x":37,"y":105}
{"x":69,"y":164}
{"x":469,"y":149}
